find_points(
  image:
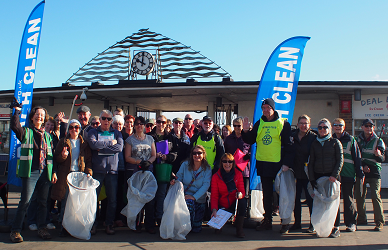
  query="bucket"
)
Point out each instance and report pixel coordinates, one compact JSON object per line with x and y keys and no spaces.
{"x":163,"y":172}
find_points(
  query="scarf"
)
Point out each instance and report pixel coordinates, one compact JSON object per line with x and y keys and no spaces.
{"x":42,"y":148}
{"x":323,"y":139}
{"x":229,"y":179}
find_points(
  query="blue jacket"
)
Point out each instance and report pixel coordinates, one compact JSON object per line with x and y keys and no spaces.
{"x":108,"y":162}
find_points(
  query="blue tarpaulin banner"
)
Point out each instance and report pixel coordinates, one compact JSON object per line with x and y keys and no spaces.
{"x":24,"y":85}
{"x":279,"y":82}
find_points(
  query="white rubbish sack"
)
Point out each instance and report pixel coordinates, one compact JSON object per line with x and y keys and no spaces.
{"x":176,"y":216}
{"x":257,"y":208}
{"x":326,"y":202}
{"x":141,"y":189}
{"x":285,"y":186}
{"x":81,"y":205}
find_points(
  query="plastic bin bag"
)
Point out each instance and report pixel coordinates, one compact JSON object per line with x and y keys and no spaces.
{"x":285,"y":186}
{"x":257,"y":209}
{"x":326,"y":202}
{"x":176,"y":216}
{"x":141,"y":189}
{"x":81,"y":205}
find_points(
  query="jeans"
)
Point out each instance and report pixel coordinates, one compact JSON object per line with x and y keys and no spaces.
{"x":375,"y":186}
{"x":197,"y":212}
{"x":63,"y":206}
{"x":159,"y":199}
{"x":241,"y":207}
{"x":110,"y":181}
{"x":301,"y":184}
{"x":267,"y":185}
{"x":37,"y":181}
{"x":33,"y":208}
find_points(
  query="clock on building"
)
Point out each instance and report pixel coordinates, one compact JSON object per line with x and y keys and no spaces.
{"x":143,"y":63}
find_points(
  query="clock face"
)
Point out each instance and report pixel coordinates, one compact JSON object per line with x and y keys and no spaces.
{"x":143,"y":63}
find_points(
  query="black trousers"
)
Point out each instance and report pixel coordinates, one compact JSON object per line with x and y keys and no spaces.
{"x":267,"y":185}
{"x":350,"y":213}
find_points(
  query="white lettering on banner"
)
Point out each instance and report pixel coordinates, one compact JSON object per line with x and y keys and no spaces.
{"x":26,"y":95}
{"x":31,"y":80}
{"x":33,"y":39}
{"x":289,"y":65}
{"x":31,"y":53}
{"x":32,"y":67}
{"x":282,"y":112}
{"x":289,"y":52}
{"x":284,"y":76}
{"x":33,"y":24}
{"x":281,"y":93}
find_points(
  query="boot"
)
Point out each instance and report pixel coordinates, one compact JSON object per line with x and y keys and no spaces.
{"x":239,"y":226}
{"x":266,"y":224}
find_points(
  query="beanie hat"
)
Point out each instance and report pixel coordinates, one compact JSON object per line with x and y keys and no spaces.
{"x":270,"y":102}
{"x":75,"y":121}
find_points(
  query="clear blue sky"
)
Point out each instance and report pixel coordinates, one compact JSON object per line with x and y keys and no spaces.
{"x":348,"y":38}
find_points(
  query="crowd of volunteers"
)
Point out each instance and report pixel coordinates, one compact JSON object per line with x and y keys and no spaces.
{"x":212,"y":163}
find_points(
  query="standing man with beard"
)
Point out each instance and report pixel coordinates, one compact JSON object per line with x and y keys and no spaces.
{"x":274,"y":152}
{"x":213,"y":144}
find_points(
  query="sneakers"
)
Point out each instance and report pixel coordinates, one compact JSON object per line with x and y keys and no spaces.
{"x":285,"y":229}
{"x":335,"y":233}
{"x":351,"y":228}
{"x":379,"y":227}
{"x":310,"y":230}
{"x":33,"y":227}
{"x":15,"y":237}
{"x":93,"y":231}
{"x":50,"y":226}
{"x":295,"y":227}
{"x":266,"y":224}
{"x":44,"y":234}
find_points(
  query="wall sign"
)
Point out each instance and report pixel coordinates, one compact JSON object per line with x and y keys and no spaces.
{"x":346,"y":107}
{"x":371,"y":106}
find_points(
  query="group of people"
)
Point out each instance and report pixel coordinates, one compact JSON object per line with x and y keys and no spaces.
{"x":331,"y":152}
{"x":112,"y":147}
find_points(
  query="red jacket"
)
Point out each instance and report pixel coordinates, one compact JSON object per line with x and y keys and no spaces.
{"x":220,"y":197}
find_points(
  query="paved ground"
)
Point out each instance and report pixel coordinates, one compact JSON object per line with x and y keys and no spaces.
{"x":363,"y":238}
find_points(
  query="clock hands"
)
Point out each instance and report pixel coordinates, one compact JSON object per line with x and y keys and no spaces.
{"x":137,"y":60}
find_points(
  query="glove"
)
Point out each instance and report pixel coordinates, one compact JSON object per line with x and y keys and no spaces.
{"x":144,"y":165}
{"x":314,"y":184}
{"x":15,"y":103}
{"x":247,"y":157}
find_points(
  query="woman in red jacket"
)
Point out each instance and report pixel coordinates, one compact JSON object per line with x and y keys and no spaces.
{"x":226,"y":187}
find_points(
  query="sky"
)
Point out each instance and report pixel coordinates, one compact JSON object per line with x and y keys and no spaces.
{"x":348,"y":38}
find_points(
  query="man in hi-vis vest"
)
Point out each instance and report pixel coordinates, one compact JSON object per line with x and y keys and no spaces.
{"x":274,"y":151}
{"x":372,"y":153}
{"x":212,"y":143}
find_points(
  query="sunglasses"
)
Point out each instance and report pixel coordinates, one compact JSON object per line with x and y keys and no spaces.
{"x":106,"y":118}
{"x":147,"y":126}
{"x":73,"y":127}
{"x":338,"y":125}
{"x":178,"y":123}
{"x":95,"y":123}
{"x":368,"y":126}
{"x":188,"y":118}
{"x":207,"y":123}
{"x":197,"y":153}
{"x":199,"y":126}
{"x":162,"y":122}
{"x":236,"y":126}
{"x":139,"y":123}
{"x":322,"y":127}
{"x":225,"y":161}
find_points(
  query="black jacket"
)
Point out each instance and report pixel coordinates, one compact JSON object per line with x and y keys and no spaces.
{"x":270,"y":169}
{"x":302,"y":152}
{"x":327,"y":159}
{"x":182,"y":148}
